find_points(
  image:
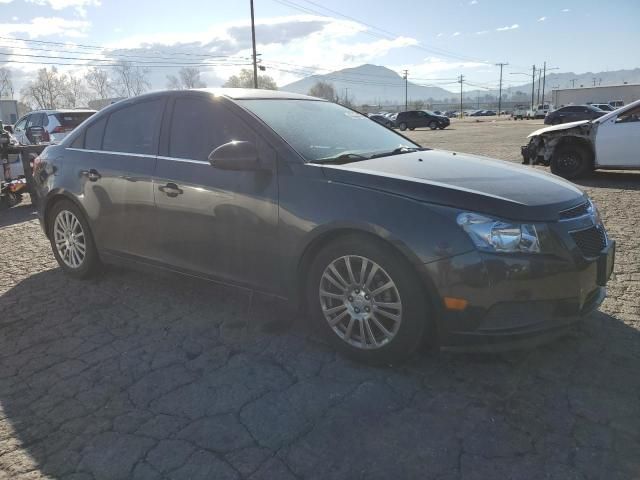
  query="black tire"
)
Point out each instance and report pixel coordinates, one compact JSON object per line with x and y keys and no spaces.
{"x":403,"y":126}
{"x":442,"y":127}
{"x":412,"y":128}
{"x":414,"y":308}
{"x":433,"y":125}
{"x":91,"y":263}
{"x":572,"y":161}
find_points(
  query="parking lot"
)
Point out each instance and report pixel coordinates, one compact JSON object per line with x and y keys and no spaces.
{"x":138,"y":376}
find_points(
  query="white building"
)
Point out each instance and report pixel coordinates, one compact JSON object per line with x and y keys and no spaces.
{"x":601,"y":94}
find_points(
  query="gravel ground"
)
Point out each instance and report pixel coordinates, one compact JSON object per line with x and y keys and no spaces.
{"x":132,"y":376}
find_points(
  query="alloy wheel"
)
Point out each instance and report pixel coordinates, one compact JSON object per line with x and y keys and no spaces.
{"x":69,"y":239}
{"x":360,"y":301}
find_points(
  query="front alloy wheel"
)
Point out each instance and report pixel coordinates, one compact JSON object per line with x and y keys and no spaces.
{"x":368,"y":301}
{"x":360,"y":302}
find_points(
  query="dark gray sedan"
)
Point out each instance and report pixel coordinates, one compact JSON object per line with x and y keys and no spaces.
{"x":386,"y":243}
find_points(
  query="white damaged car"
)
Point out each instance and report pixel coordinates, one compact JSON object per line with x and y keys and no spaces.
{"x":575,"y":149}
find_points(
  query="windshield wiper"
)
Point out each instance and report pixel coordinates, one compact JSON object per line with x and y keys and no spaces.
{"x":396,"y":151}
{"x":342,"y":158}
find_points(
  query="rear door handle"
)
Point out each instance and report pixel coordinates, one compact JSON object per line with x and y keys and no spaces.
{"x":92,"y":174}
{"x":171,"y":189}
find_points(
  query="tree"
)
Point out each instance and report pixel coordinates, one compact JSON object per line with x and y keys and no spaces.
{"x":6,"y":84}
{"x":98,"y":81}
{"x":189,"y":77}
{"x":245,"y":80}
{"x":324,"y":90}
{"x":130,"y":80}
{"x":417,"y":104}
{"x":47,"y":91}
{"x":76,"y":93}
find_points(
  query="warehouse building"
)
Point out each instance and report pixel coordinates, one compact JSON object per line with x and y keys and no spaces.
{"x":611,"y":94}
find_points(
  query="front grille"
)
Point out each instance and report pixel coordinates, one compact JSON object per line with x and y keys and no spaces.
{"x":590,"y":241}
{"x":574,"y":212}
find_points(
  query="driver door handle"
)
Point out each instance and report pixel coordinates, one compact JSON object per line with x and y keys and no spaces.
{"x":171,"y":190}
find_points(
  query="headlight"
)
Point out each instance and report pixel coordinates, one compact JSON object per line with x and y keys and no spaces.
{"x":493,"y":235}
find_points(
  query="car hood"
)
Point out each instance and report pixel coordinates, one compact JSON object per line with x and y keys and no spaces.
{"x":463,"y":181}
{"x":562,"y":126}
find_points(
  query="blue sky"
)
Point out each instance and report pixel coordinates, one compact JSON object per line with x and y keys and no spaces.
{"x":434,"y":40}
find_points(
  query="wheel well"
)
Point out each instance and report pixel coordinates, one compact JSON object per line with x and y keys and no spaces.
{"x":580,"y":142}
{"x":325,"y":239}
{"x":51,"y":202}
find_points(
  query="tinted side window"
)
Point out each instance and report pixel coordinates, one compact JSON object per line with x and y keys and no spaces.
{"x":93,"y":134}
{"x":198,"y":126}
{"x":134,"y":129}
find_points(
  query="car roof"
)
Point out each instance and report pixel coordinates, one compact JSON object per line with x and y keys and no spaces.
{"x":65,"y":110}
{"x":255,"y":93}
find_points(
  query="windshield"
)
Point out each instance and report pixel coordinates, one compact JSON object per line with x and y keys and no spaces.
{"x":324,"y":130}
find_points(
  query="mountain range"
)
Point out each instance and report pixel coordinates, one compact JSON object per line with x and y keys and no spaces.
{"x":375,"y":84}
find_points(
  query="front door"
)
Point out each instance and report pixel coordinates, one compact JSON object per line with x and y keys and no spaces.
{"x":618,"y":140}
{"x":220,"y":223}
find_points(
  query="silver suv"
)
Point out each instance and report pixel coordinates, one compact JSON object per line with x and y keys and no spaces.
{"x":56,"y":124}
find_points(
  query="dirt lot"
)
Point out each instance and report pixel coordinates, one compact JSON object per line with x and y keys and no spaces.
{"x":132,"y":376}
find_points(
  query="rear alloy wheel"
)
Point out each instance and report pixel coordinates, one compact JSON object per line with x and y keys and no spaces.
{"x":571,"y":161}
{"x":433,"y":125}
{"x":71,"y":240}
{"x":367,"y":301}
{"x":403,"y":126}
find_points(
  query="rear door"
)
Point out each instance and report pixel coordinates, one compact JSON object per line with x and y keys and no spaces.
{"x":115,"y":161}
{"x":618,"y":140}
{"x":219,"y":223}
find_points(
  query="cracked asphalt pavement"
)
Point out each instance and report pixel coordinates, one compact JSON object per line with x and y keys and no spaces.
{"x":139,"y":376}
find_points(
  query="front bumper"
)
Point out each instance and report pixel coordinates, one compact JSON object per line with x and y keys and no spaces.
{"x":513,"y":300}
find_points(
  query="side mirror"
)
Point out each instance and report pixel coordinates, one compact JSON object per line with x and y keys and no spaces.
{"x":236,"y":155}
{"x":36,"y":134}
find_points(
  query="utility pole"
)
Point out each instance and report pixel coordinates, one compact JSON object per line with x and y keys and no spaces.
{"x":406,"y":89}
{"x":533,"y":85}
{"x":544,"y":79}
{"x":539,"y":79}
{"x":461,"y":81}
{"x":573,"y":82}
{"x":253,"y":41}
{"x":500,"y":90}
{"x":346,"y":95}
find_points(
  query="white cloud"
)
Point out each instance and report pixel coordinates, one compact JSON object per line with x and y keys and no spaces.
{"x":6,"y":1}
{"x":436,"y":65}
{"x":542,"y":19}
{"x":80,"y":6}
{"x":14,"y":19}
{"x":482,"y":32}
{"x":473,"y":2}
{"x":440,"y":34}
{"x":565,"y":10}
{"x":456,"y":34}
{"x":44,"y":26}
{"x":512,"y":27}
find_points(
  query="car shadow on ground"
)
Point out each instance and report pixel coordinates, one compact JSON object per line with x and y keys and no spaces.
{"x":611,"y":179}
{"x":138,"y":376}
{"x":18,"y":214}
